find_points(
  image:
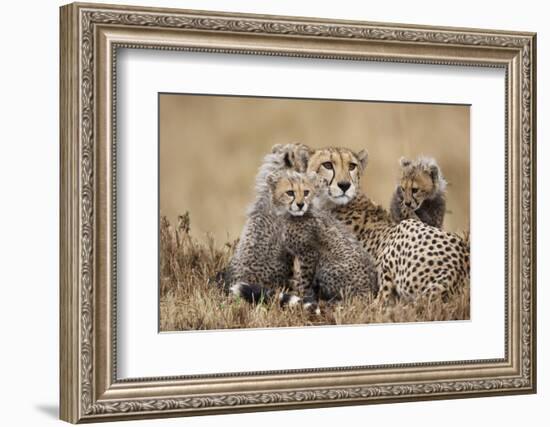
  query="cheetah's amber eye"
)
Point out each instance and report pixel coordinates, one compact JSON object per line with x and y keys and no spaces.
{"x":327,"y":165}
{"x":306,"y":193}
{"x":352,"y":166}
{"x":290,"y":193}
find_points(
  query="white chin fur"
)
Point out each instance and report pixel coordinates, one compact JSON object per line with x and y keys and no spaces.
{"x":297,"y":213}
{"x":341,"y":200}
{"x":337,"y":197}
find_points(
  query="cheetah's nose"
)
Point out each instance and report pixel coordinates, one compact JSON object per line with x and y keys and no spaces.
{"x":344,"y":186}
{"x":300,"y":205}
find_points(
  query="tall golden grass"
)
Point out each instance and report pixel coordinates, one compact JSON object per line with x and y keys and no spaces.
{"x":191,"y":298}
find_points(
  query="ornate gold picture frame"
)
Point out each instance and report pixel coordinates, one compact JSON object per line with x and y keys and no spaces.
{"x":91,"y":34}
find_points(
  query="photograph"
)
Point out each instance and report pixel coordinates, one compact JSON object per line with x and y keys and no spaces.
{"x":290,"y":212}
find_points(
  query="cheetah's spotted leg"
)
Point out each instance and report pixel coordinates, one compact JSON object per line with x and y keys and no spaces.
{"x":303,"y":284}
{"x":304,"y":280}
{"x":302,"y":292}
{"x":387,"y":290}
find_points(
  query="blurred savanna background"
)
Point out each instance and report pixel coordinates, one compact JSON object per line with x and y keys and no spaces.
{"x":210,"y":150}
{"x":212,"y":146}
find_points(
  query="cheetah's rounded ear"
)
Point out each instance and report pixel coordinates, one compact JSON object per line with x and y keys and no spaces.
{"x":277,"y":148}
{"x":303,"y":152}
{"x":363,"y":157}
{"x":289,"y":159}
{"x":287,"y":150}
{"x":404,"y":162}
{"x":433,"y":170}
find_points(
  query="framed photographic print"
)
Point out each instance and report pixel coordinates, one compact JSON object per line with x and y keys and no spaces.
{"x":264,"y":212}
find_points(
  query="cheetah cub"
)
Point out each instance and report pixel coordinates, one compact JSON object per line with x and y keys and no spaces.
{"x":420,"y":193}
{"x":260,"y":265}
{"x":332,"y":262}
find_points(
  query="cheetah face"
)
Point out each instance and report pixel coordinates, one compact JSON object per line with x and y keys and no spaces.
{"x":341,"y":169}
{"x":292,"y":192}
{"x":413,"y":192}
{"x":420,"y":180}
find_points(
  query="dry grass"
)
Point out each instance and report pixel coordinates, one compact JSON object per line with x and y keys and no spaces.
{"x":190,"y":300}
